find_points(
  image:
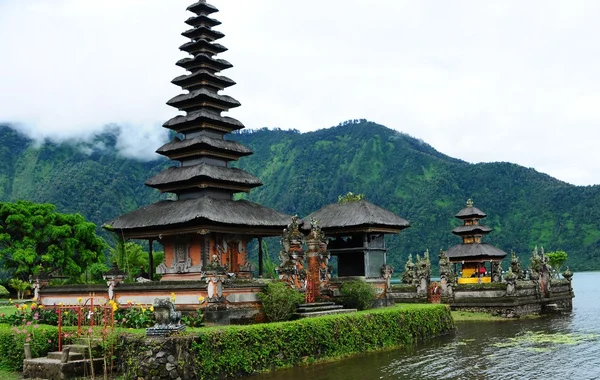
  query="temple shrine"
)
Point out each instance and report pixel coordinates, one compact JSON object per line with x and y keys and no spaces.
{"x":479,"y":262}
{"x":201,"y":225}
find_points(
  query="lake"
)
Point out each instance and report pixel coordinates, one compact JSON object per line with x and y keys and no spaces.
{"x":565,"y":346}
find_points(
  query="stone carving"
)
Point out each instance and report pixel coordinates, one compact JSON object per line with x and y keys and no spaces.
{"x":408,"y":276}
{"x":511,"y":279}
{"x":423,"y":270}
{"x":386,"y":273}
{"x":496,"y":271}
{"x":515,"y":265}
{"x":540,"y":272}
{"x":447,"y":276}
{"x":182,"y":262}
{"x":291,"y":270}
{"x":215,"y":287}
{"x":168,"y":321}
{"x":215,"y":266}
{"x":567,"y":274}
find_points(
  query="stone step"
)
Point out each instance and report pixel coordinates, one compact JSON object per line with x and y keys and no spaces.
{"x":72,"y":355}
{"x":322,"y":313}
{"x":53,"y":369}
{"x":316,"y":304}
{"x":309,"y":309}
{"x":78,"y":348}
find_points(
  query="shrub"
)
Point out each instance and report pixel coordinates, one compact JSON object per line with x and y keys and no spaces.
{"x":357,"y":294}
{"x":4,"y":292}
{"x":42,"y":339}
{"x":279,"y":301}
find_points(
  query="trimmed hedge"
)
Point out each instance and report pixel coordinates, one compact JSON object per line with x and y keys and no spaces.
{"x":42,"y":338}
{"x":237,"y":351}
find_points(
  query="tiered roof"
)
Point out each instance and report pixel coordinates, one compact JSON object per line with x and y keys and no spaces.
{"x":471,"y":232}
{"x":202,"y":180}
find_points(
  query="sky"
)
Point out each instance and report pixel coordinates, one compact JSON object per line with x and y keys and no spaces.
{"x":483,"y":81}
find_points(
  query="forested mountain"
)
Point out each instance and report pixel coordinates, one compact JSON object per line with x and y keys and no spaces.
{"x":302,"y":172}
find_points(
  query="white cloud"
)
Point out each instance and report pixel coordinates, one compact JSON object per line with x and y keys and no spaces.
{"x":482,"y":81}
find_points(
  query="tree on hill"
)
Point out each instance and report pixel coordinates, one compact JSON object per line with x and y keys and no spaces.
{"x":37,"y":240}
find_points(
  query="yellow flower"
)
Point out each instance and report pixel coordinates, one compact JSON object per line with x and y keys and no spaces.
{"x":60,"y":304}
{"x":79,"y":299}
{"x":66,"y":312}
{"x":41,"y":306}
{"x":10,"y":300}
{"x":200,"y":299}
{"x":25,"y":307}
{"x":152,"y":308}
{"x":173,"y":297}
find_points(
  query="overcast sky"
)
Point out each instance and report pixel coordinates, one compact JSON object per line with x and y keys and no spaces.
{"x":483,"y":81}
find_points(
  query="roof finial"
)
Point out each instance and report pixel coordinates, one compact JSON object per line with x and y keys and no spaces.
{"x":469,"y":202}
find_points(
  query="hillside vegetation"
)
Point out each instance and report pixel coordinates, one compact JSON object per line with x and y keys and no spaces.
{"x":302,"y":172}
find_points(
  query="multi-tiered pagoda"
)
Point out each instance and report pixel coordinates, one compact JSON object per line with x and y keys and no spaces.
{"x":202,"y":224}
{"x":480,"y":262}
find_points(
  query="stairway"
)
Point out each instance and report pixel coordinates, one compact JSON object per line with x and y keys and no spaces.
{"x":73,"y":362}
{"x":318,"y":309}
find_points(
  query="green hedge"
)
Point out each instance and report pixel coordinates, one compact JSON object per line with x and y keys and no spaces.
{"x":242,"y":350}
{"x":43,"y":339}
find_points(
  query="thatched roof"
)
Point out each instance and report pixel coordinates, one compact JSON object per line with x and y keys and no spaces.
{"x":177,"y":146}
{"x":200,"y":211}
{"x":195,"y":119}
{"x":202,"y":75}
{"x":181,"y":174}
{"x":203,"y":60}
{"x":202,"y":20}
{"x":476,"y":251}
{"x":184,"y":101}
{"x":203,"y":31}
{"x":472,"y":229}
{"x":359,"y":214}
{"x":469,"y":212}
{"x":202,"y":45}
{"x":202,"y":8}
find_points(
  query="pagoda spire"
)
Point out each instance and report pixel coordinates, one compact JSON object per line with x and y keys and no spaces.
{"x":200,"y":147}
{"x":471,"y":231}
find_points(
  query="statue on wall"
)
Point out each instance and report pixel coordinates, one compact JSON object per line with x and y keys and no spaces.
{"x":423,"y":268}
{"x":515,"y":266}
{"x":496,"y":271}
{"x":408,"y":276}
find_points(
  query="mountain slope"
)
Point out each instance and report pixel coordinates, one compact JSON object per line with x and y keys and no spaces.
{"x":302,"y":172}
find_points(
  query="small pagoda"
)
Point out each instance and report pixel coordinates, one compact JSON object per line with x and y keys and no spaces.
{"x":480,"y":262}
{"x":201,"y":226}
{"x":356,"y":230}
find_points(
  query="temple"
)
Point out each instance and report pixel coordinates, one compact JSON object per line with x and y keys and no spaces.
{"x":356,"y":231}
{"x":201,"y":224}
{"x":480,"y":262}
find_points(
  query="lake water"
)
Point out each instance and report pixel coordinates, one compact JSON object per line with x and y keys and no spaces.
{"x":562,"y":347}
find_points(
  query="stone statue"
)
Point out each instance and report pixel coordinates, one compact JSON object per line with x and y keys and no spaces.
{"x":496,"y":271}
{"x":168,"y":321}
{"x":423,"y":268}
{"x":386,"y":273}
{"x":515,"y":265}
{"x":408,"y":276}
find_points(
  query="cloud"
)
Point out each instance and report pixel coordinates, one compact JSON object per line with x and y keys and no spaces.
{"x":481,"y":81}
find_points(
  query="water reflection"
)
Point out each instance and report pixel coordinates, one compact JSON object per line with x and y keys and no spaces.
{"x":565,"y":347}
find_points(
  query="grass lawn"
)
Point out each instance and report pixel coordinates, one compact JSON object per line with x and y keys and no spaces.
{"x":8,"y":310}
{"x":5,"y":375}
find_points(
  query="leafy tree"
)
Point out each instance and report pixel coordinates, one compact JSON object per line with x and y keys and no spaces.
{"x":556,"y":260}
{"x":350,"y":197}
{"x":132,"y":259}
{"x":279,"y":301}
{"x":36,"y":240}
{"x":20,"y":286}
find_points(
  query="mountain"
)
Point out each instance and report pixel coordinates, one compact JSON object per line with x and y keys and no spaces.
{"x":302,"y":172}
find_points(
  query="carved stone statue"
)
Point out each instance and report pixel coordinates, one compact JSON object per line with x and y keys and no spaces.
{"x":423,"y":268}
{"x":408,"y":276}
{"x":386,"y":273}
{"x":515,"y":265}
{"x":168,"y":321}
{"x":496,"y":271}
